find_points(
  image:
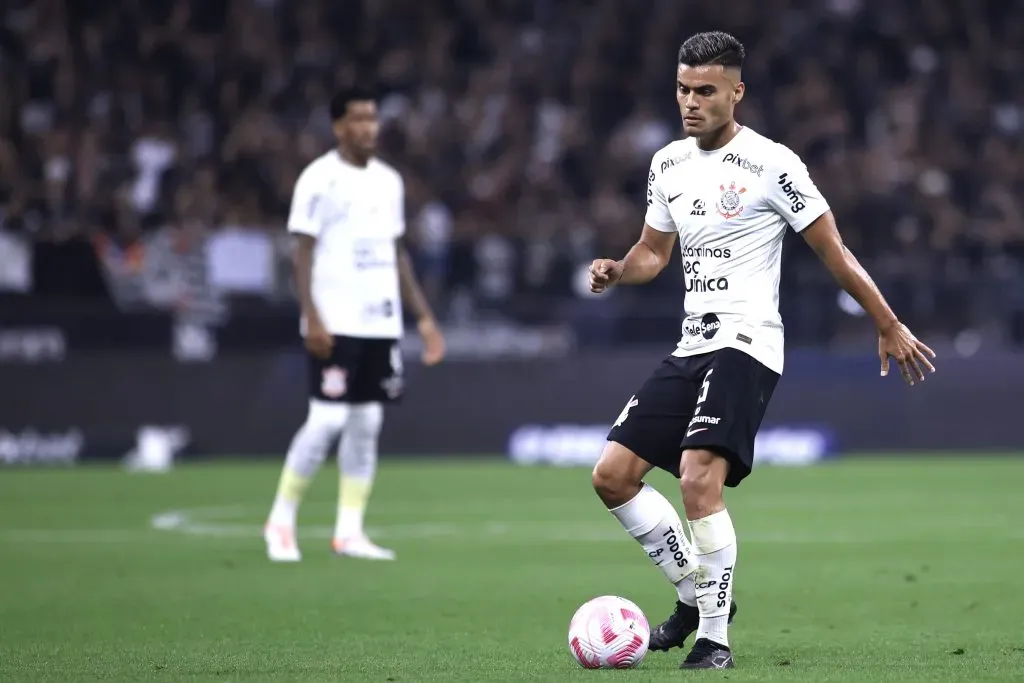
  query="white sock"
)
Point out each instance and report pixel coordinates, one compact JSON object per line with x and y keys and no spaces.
{"x":307,"y":452}
{"x":357,"y":462}
{"x":655,"y":524}
{"x":714,"y":540}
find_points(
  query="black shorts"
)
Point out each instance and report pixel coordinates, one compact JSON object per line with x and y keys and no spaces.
{"x":713,"y":400}
{"x":358,"y":371}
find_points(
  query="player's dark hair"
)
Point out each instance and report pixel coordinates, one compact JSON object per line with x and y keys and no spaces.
{"x":341,"y":100}
{"x":712,"y":47}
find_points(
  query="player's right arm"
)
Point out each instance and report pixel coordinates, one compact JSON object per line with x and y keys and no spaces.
{"x":650,"y":254}
{"x":642,"y":263}
{"x":304,"y":221}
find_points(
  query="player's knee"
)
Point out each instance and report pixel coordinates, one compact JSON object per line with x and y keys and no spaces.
{"x":702,"y":477}
{"x":327,"y":418}
{"x":607,"y":485}
{"x":366,"y":419}
{"x":696,"y":482}
{"x":614,"y":481}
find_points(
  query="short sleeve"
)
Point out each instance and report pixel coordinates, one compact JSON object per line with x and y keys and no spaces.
{"x":657,"y":216}
{"x":793,"y":194}
{"x":304,"y":216}
{"x":399,"y":209}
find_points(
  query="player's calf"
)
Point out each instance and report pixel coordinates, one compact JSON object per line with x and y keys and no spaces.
{"x":357,"y":467}
{"x":306,"y":454}
{"x":714,"y":539}
{"x":647,"y":516}
{"x":701,"y":481}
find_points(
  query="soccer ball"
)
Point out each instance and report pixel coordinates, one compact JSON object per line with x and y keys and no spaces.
{"x":609,"y":632}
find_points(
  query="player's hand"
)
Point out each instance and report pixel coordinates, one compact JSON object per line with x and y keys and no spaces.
{"x":319,"y":341}
{"x":911,"y":354}
{"x":433,"y":341}
{"x":603,"y":274}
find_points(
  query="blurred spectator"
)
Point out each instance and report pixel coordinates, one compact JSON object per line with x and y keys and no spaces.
{"x":524,"y":129}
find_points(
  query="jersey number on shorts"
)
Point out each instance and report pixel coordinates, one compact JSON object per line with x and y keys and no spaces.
{"x":703,"y":391}
{"x":396,"y":360}
{"x":691,"y":430}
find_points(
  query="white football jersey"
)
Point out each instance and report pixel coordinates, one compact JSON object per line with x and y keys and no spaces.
{"x":731,"y":207}
{"x":355,"y":214}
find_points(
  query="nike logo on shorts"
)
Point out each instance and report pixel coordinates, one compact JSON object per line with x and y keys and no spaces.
{"x":694,"y":431}
{"x":672,"y":199}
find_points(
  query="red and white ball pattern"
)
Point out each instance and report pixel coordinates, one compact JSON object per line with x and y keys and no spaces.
{"x":609,"y":632}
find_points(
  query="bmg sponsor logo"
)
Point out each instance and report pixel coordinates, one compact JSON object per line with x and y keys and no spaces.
{"x":796,"y":200}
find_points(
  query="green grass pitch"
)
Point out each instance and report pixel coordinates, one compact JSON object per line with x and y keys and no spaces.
{"x":867,"y":570}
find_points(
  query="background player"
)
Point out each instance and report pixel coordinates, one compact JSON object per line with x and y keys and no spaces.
{"x":352,"y":275}
{"x":728,"y":193}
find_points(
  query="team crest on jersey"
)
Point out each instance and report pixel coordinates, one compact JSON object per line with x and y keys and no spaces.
{"x":333,"y":382}
{"x":730,"y":204}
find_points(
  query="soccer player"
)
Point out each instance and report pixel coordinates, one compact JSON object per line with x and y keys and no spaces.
{"x":352,"y":275}
{"x":728,"y":193}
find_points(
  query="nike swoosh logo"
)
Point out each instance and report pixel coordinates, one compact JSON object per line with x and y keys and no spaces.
{"x":694,"y":431}
{"x":672,"y":199}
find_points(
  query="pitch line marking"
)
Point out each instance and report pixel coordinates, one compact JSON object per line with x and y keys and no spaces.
{"x":225,"y":522}
{"x":229,"y":521}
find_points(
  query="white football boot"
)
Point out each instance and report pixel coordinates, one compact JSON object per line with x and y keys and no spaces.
{"x":281,"y":543}
{"x":361,"y":547}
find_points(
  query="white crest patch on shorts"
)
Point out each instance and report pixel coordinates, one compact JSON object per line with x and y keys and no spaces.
{"x":334,"y":382}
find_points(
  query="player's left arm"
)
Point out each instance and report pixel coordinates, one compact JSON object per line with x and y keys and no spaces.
{"x":794,"y":195}
{"x":894,"y":338}
{"x":412,"y":293}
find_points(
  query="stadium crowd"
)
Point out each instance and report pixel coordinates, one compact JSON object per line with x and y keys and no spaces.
{"x":168,"y":133}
